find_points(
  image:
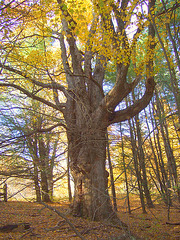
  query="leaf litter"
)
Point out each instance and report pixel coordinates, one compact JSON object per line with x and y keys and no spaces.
{"x":34,"y":221}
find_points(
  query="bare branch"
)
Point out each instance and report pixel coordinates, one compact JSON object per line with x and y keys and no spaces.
{"x":38,"y":130}
{"x":52,"y":85}
{"x":168,"y":10}
{"x":33,"y":96}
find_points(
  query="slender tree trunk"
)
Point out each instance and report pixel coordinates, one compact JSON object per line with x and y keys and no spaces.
{"x":5,"y":192}
{"x":164,"y":173}
{"x":169,"y":152}
{"x":136,"y":165}
{"x":176,"y":127}
{"x":50,"y":176}
{"x":68,"y":178}
{"x":44,"y":187}
{"x":44,"y":171}
{"x":156,"y":169}
{"x":50,"y":186}
{"x":125,"y":172}
{"x":158,"y":148}
{"x":36,"y":183}
{"x":111,"y":177}
{"x":142,"y":164}
{"x":49,"y":171}
{"x":33,"y":146}
{"x":172,"y":39}
{"x":50,"y":166}
{"x":173,"y":79}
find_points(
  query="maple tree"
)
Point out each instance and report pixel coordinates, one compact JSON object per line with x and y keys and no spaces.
{"x":69,"y":77}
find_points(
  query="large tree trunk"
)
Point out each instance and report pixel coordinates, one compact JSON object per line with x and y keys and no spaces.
{"x":88,"y":157}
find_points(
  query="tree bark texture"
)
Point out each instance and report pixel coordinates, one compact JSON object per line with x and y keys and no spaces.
{"x":88,"y":155}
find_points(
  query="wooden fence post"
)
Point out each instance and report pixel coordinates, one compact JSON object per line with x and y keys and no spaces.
{"x":5,"y":192}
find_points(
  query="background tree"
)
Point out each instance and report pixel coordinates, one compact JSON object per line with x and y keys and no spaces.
{"x":28,"y":149}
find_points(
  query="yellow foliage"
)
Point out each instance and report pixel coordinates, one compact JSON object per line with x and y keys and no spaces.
{"x":90,"y":22}
{"x":81,"y":13}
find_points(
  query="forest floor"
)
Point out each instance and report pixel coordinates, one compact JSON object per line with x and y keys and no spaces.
{"x":42,"y":223}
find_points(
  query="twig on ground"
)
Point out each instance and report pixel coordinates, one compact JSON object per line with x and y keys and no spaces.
{"x":64,"y":217}
{"x":58,"y":225}
{"x":26,"y":233}
{"x":178,"y":223}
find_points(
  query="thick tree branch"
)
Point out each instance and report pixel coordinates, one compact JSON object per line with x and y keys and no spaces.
{"x":115,"y":96}
{"x":17,"y":173}
{"x":121,"y":86}
{"x":68,"y":27}
{"x":120,"y":90}
{"x":88,"y":49}
{"x":151,"y":42}
{"x":137,"y":107}
{"x":65,"y":61}
{"x":121,"y":24}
